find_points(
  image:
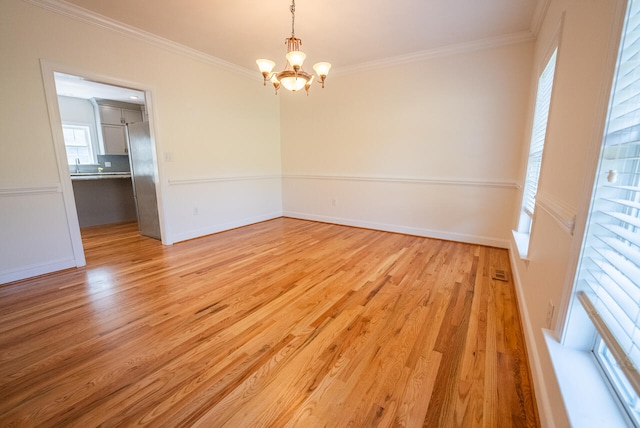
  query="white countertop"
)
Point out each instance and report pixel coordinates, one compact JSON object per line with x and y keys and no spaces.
{"x":99,"y":175}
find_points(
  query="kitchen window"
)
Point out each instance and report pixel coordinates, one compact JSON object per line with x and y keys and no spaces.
{"x":78,"y":144}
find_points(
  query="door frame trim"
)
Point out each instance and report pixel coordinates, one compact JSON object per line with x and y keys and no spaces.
{"x":48,"y":68}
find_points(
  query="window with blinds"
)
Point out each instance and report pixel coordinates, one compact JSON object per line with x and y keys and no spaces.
{"x":608,"y":280}
{"x":538,"y":132}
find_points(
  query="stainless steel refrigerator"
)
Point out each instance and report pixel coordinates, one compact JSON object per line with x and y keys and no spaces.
{"x":143,"y":178}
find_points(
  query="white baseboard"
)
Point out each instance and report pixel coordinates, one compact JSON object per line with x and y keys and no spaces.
{"x":25,"y":272}
{"x":209,"y":230}
{"x":540,"y":388}
{"x":427,"y":233}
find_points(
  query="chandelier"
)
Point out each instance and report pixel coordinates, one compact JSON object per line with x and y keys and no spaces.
{"x":293,"y":77}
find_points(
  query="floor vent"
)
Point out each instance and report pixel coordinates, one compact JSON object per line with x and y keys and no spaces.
{"x":499,"y":275}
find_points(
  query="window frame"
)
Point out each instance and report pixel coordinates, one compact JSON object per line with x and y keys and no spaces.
{"x":91,"y":145}
{"x":578,"y":331}
{"x":616,"y":378}
{"x":527,"y":205}
{"x":525,"y":222}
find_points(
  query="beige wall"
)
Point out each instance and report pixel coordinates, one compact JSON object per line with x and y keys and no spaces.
{"x":586,"y":54}
{"x":217,"y":126}
{"x":434,"y":151}
{"x":430,"y":148}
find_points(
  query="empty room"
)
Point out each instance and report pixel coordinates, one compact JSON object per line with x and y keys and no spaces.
{"x":320,"y":214}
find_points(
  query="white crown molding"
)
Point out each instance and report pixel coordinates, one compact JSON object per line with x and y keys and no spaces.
{"x":473,"y":46}
{"x":76,"y":12}
{"x":70,"y":10}
{"x":561,"y":212}
{"x":432,"y":180}
{"x":538,"y":16}
{"x":31,"y":190}
{"x":221,"y":179}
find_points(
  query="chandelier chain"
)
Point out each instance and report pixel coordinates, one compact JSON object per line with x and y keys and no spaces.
{"x":293,"y":17}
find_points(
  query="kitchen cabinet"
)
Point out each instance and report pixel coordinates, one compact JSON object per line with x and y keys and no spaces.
{"x":115,"y":139}
{"x":131,"y":116}
{"x":110,"y":115}
{"x":114,"y":133}
{"x":104,"y":200}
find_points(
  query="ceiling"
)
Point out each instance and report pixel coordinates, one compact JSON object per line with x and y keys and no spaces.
{"x":346,"y":33}
{"x":78,"y":87}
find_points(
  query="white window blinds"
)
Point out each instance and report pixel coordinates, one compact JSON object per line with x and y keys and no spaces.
{"x":609,"y":269}
{"x":538,"y":132}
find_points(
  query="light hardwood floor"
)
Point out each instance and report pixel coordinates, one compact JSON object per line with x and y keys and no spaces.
{"x":281,"y":323}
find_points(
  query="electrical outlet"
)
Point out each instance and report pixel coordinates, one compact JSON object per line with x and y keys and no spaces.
{"x":550,"y":309}
{"x":107,"y":164}
{"x":196,"y":211}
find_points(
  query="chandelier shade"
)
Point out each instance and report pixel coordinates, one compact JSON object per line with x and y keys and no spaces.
{"x":265,"y":65}
{"x":296,"y":58}
{"x":293,"y":77}
{"x":293,"y":81}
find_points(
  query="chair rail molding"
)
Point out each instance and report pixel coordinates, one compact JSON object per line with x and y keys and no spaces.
{"x":411,"y":180}
{"x":30,"y":190}
{"x":222,"y":179}
{"x":563,"y":213}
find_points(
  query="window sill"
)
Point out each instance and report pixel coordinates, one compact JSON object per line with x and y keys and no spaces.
{"x":522,"y":244}
{"x":588,"y":399}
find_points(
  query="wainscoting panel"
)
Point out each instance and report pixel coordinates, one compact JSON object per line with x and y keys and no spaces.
{"x":460,"y":210}
{"x":206,"y":205}
{"x":34,"y":217}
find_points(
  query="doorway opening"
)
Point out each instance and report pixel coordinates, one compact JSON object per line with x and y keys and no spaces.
{"x":106,"y":154}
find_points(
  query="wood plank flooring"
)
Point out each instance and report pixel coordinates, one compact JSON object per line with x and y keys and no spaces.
{"x":286,"y":323}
